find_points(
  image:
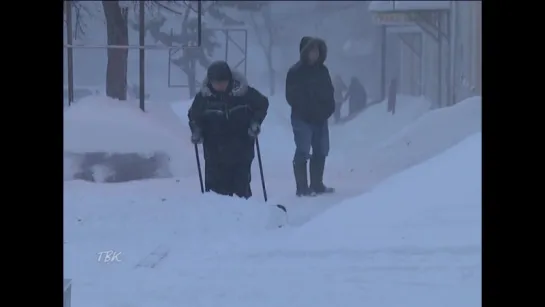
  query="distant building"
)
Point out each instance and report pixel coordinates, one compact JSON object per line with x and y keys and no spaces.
{"x":439,"y":47}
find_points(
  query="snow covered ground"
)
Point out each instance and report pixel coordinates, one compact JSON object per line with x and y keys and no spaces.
{"x":415,"y":233}
{"x":101,"y":124}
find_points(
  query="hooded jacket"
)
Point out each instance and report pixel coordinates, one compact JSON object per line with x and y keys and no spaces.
{"x":309,"y":90}
{"x":224,"y":118}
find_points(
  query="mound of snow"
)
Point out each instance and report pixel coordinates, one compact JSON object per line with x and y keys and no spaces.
{"x":436,"y":130}
{"x":434,"y":204}
{"x":375,"y":123}
{"x":105,"y":128}
{"x":432,"y":133}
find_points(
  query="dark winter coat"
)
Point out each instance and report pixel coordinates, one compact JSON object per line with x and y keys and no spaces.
{"x":357,"y":96}
{"x":309,"y":90}
{"x":224,"y":119}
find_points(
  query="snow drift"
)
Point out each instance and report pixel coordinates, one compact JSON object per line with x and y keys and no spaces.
{"x":106,"y":140}
{"x":371,"y":161}
{"x":442,"y":192}
{"x":375,"y":123}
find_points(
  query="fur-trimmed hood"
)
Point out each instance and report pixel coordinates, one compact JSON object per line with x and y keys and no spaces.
{"x":239,"y":85}
{"x":307,"y":43}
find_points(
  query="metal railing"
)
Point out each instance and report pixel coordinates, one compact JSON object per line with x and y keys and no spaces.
{"x":67,"y":285}
{"x":141,"y":47}
{"x":156,"y":47}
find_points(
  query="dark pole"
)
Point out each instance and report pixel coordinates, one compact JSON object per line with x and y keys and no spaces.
{"x":383,"y":62}
{"x":199,"y":167}
{"x":142,"y":40}
{"x":199,"y":22}
{"x":261,"y":170}
{"x":69,"y":52}
{"x":245,"y":52}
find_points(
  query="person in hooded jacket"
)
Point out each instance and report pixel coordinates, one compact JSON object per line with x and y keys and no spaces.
{"x":310,"y":93}
{"x":226,"y":116}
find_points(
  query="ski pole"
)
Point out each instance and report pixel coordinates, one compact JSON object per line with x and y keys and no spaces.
{"x":199,"y":167}
{"x":261,"y":168}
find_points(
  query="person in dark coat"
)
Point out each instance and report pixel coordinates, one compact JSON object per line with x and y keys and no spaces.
{"x":357,"y":96}
{"x":309,"y":92}
{"x":226,"y":117}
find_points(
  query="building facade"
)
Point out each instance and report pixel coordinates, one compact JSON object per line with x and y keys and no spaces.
{"x":440,"y":47}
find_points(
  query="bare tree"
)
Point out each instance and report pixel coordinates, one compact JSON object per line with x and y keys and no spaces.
{"x":118,"y":34}
{"x":189,"y":59}
{"x":80,"y":14}
{"x":266,"y":31}
{"x":186,"y":59}
{"x":116,"y":16}
{"x":117,"y":25}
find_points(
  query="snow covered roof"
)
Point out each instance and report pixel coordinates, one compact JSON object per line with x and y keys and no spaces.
{"x":388,"y":6}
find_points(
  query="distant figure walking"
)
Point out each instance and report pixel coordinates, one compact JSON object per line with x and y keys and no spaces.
{"x":357,"y":96}
{"x":339,"y":88}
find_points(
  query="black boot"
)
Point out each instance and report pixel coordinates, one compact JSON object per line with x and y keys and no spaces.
{"x":300,"y":172}
{"x":317,"y":165}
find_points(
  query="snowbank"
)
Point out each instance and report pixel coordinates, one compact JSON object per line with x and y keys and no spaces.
{"x":375,"y":123}
{"x":102,"y":132}
{"x":429,"y":135}
{"x":422,"y":207}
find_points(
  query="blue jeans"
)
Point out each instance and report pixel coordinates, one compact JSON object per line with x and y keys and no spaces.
{"x":307,"y":136}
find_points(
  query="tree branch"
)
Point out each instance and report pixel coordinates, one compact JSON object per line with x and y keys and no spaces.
{"x":169,"y":9}
{"x":256,"y":27}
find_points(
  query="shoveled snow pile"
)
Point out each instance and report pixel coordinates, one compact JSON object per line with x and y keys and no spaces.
{"x":435,"y":194}
{"x":102,"y":131}
{"x":375,"y":123}
{"x":429,"y":135}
